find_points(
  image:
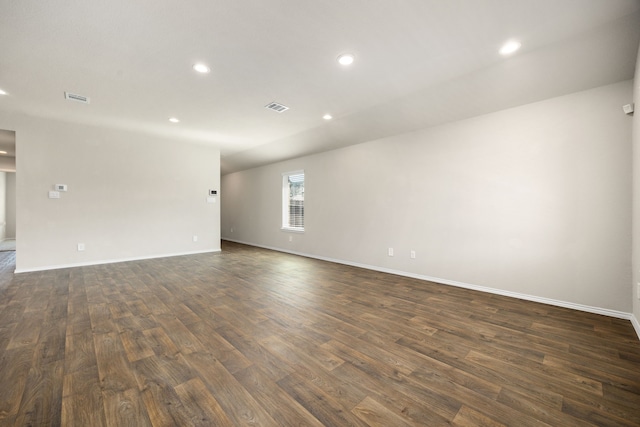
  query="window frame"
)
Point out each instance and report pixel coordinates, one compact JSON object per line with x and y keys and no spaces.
{"x":286,"y":224}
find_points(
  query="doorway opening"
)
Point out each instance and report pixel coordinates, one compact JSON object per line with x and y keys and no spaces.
{"x":7,"y":190}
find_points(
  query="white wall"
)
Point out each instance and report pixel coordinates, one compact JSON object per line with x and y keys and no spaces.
{"x":3,"y":206}
{"x":636,"y":199}
{"x":130,"y":195}
{"x":10,"y":206}
{"x":533,"y":200}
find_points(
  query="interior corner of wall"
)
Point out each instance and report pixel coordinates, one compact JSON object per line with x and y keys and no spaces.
{"x":636,"y":324}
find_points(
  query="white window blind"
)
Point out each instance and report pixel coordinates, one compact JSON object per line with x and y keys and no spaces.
{"x":293,"y":200}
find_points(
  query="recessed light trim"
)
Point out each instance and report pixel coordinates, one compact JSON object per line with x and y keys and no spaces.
{"x":3,"y":152}
{"x":201,"y":68}
{"x":510,"y":47}
{"x":174,"y":120}
{"x":346,"y":59}
{"x":327,"y":117}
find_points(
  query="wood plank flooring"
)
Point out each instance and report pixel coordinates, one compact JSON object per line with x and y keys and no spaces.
{"x":251,"y":337}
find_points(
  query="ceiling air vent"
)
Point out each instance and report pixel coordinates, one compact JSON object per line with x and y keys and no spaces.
{"x":277,"y":107}
{"x":73,"y":97}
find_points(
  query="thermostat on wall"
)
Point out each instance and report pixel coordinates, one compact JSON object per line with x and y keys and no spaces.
{"x":61,"y":187}
{"x":628,"y":108}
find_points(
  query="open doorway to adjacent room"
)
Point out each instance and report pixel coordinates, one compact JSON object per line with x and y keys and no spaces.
{"x":7,"y":190}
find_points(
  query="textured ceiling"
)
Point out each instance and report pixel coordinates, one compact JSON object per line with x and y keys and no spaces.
{"x":418,"y":63}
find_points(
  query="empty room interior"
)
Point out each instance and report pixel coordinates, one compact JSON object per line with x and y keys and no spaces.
{"x":303,"y":213}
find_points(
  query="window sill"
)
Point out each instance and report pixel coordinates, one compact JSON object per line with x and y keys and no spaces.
{"x":292,"y":229}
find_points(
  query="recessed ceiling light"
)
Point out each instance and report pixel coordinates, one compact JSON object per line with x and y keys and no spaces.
{"x":174,"y":120}
{"x":346,"y":59}
{"x":3,"y":152}
{"x":2,"y":92}
{"x":510,"y":47}
{"x":201,"y":68}
{"x":327,"y":117}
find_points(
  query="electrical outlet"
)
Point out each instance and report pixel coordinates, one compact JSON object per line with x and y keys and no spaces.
{"x":195,"y":238}
{"x":291,"y":238}
{"x":80,"y":247}
{"x":390,"y":252}
{"x":413,"y":254}
{"x":232,"y":229}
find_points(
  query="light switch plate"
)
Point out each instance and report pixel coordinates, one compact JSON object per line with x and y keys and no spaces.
{"x":54,"y":194}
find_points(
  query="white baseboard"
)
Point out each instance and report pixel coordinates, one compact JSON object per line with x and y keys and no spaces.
{"x":636,"y":325}
{"x":111,"y":261}
{"x":534,"y":298}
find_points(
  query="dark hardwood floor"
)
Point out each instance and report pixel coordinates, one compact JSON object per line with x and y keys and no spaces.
{"x":255,"y":337}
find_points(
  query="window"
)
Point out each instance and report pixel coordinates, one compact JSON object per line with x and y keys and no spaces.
{"x":293,"y":201}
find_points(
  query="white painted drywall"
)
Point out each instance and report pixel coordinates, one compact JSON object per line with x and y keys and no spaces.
{"x":3,"y":206}
{"x":534,"y":200}
{"x":129,"y":195}
{"x":636,"y":198}
{"x":10,"y":209}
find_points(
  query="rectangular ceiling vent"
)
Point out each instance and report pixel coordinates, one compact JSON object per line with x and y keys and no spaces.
{"x":73,"y":97}
{"x":277,"y":107}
